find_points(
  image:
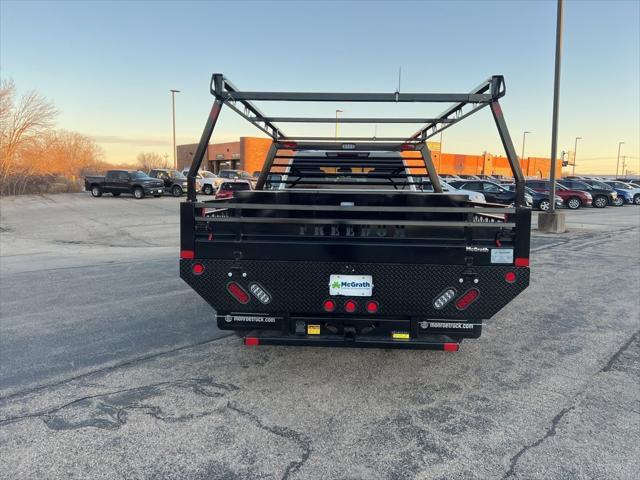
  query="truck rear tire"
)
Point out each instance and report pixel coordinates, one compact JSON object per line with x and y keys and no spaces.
{"x":544,"y":205}
{"x":619,"y":201}
{"x":138,"y":192}
{"x":574,"y":203}
{"x":176,"y":191}
{"x":208,"y":190}
{"x":636,"y":199}
{"x":96,"y":191}
{"x":116,"y":194}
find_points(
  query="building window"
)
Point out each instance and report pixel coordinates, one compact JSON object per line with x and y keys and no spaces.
{"x":235,"y":155}
{"x":219,"y":156}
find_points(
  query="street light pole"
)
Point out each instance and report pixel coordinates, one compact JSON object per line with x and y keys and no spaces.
{"x":556,"y":108}
{"x":337,"y":112}
{"x":173,"y":111}
{"x":618,"y":162}
{"x":575,"y":153}
{"x":524,"y":136}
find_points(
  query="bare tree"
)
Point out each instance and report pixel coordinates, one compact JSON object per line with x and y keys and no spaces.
{"x":22,"y":122}
{"x":150,"y":160}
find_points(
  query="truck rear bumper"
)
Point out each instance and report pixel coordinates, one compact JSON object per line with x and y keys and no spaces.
{"x":434,"y":342}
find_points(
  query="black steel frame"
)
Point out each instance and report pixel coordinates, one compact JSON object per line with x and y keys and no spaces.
{"x":464,"y":104}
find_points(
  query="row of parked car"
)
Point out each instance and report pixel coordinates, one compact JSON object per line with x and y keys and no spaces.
{"x":162,"y":181}
{"x":572,"y":192}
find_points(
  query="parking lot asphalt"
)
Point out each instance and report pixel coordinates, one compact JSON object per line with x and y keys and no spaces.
{"x":110,"y":367}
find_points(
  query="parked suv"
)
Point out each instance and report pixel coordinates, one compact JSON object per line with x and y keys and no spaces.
{"x":541,"y":200}
{"x":601,"y":197}
{"x":572,"y":199}
{"x":493,"y":192}
{"x":628,"y":192}
{"x":174,"y":182}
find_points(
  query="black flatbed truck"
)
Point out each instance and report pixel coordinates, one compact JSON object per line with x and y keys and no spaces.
{"x":339,"y":246}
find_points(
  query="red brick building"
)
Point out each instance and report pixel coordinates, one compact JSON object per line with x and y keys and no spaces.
{"x":247,"y":154}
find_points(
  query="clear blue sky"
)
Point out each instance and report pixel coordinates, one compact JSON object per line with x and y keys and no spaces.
{"x":108,"y":66}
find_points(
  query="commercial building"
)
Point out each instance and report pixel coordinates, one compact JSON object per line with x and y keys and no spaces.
{"x":246,"y":154}
{"x":249,"y":154}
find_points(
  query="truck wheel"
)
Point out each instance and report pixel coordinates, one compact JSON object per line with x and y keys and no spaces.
{"x":176,"y":191}
{"x":544,"y":205}
{"x":619,"y":201}
{"x":600,"y":201}
{"x":636,"y":199}
{"x":574,"y":203}
{"x":208,"y":190}
{"x":138,"y":192}
{"x":116,"y":194}
{"x":96,"y":191}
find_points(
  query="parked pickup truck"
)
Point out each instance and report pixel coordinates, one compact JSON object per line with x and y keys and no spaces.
{"x":116,"y":182}
{"x":345,"y":248}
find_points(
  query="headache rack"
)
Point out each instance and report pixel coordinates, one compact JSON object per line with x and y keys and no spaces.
{"x":351,"y":152}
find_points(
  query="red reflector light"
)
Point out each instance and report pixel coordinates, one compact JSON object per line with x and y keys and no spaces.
{"x":350,"y":306}
{"x":467,"y":299}
{"x":510,"y":277}
{"x":238,"y":292}
{"x":522,"y":262}
{"x":372,"y":306}
{"x":451,"y":347}
{"x":329,"y":305}
{"x":251,"y":341}
{"x":197,"y":269}
{"x":289,"y":144}
{"x":407,"y":146}
{"x":187,"y":254}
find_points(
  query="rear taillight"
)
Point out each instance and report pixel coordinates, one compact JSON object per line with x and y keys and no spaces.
{"x":329,"y":305}
{"x":187,"y":254}
{"x":350,"y":306}
{"x":451,"y":347}
{"x":197,"y":269}
{"x":372,"y":306}
{"x":290,"y":145}
{"x":467,"y":299}
{"x":406,"y":147}
{"x":251,"y":341}
{"x":510,"y":277}
{"x":522,"y":262}
{"x":238,"y":292}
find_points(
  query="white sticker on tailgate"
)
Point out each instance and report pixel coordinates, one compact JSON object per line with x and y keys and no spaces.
{"x":502,"y":255}
{"x":351,"y":285}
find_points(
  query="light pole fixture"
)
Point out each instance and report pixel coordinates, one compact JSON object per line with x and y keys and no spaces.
{"x":575,"y":153}
{"x":524,"y":136}
{"x":337,"y":112}
{"x":173,"y":111}
{"x":618,"y":162}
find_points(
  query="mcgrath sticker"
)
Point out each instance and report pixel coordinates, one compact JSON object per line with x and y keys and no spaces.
{"x":351,"y":285}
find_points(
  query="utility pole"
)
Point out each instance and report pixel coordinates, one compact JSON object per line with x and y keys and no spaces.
{"x":556,"y":107}
{"x":173,"y":111}
{"x":624,"y":164}
{"x":618,"y":162}
{"x":552,"y":221}
{"x":575,"y":153}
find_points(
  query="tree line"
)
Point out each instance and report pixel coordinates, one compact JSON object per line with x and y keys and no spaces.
{"x":36,"y":157}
